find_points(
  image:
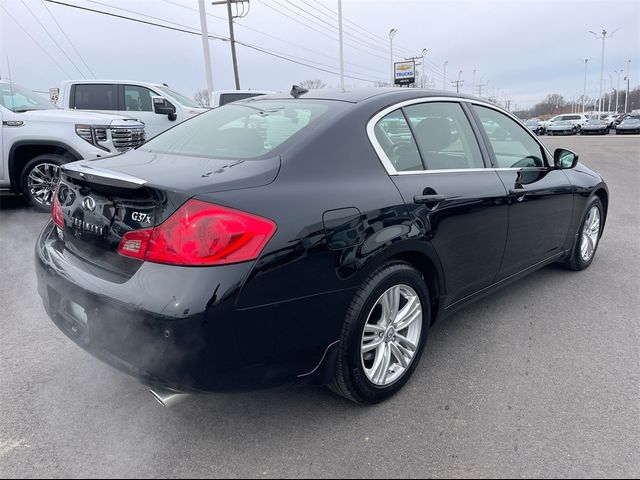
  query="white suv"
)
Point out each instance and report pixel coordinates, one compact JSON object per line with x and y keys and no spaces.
{"x":578,"y":119}
{"x":36,"y":138}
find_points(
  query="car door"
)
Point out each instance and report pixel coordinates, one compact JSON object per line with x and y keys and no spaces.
{"x":540,"y":197}
{"x":435,"y":160}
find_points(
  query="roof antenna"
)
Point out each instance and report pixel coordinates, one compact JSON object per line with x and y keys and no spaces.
{"x":297,"y":91}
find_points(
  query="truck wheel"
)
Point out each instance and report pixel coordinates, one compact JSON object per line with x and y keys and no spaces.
{"x":39,"y":180}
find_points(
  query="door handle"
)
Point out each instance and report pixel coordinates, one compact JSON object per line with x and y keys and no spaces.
{"x":428,"y":199}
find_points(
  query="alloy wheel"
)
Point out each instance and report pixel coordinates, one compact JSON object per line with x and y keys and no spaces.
{"x":590,"y":234}
{"x":42,"y":183}
{"x":391,"y":335}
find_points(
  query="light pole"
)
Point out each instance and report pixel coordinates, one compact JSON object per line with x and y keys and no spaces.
{"x":444,"y":75}
{"x":602,"y":37}
{"x":473,"y":83}
{"x":392,"y":33}
{"x":584,"y":91}
{"x":480,"y":87}
{"x":205,"y":48}
{"x":424,"y":54}
{"x":618,"y":91}
{"x":626,"y":98}
{"x":610,"y":91}
{"x":341,"y":44}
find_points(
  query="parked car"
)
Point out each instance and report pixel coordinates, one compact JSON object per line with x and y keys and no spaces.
{"x":611,"y":120}
{"x":630,"y":124}
{"x":157,"y":105}
{"x":562,"y":127}
{"x":280,"y":240}
{"x":535,"y":126}
{"x":595,"y":127}
{"x":37,"y":138}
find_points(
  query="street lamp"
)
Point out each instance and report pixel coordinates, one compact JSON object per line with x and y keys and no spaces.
{"x":480,"y":87}
{"x":628,"y":79}
{"x":473,"y":83}
{"x":392,"y":33}
{"x":444,"y":75}
{"x":618,"y":89}
{"x":602,"y":37}
{"x":424,"y":54}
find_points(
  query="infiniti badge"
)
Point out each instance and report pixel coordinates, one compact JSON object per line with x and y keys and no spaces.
{"x":89,"y":204}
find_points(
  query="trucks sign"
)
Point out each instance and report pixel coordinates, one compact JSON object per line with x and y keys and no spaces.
{"x":404,"y":73}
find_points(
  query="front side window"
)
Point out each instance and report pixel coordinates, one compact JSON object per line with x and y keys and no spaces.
{"x":138,"y":99}
{"x":20,"y":99}
{"x":96,"y":97}
{"x":444,"y":135}
{"x":395,"y":138}
{"x":512,"y":145}
{"x":239,"y":130}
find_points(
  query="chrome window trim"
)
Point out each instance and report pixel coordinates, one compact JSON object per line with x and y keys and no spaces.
{"x":386,"y":163}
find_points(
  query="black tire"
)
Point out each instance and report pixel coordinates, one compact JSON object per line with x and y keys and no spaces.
{"x":40,"y":203}
{"x":350,"y":380}
{"x":574,"y":260}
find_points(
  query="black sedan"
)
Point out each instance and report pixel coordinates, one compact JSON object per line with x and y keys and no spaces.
{"x":562,"y":127}
{"x":595,"y":127}
{"x":630,"y":124}
{"x":313,"y":239}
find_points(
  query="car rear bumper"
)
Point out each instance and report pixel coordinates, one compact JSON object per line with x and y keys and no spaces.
{"x":193,"y":340}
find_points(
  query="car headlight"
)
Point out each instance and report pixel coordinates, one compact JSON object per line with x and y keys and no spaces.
{"x":93,"y":134}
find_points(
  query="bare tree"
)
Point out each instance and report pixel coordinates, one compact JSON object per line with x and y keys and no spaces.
{"x":202,"y":98}
{"x":315,"y":84}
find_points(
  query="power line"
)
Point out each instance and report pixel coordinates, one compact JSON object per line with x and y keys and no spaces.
{"x":298,"y":20}
{"x":192,"y":32}
{"x":34,"y":41}
{"x":69,"y":40}
{"x":277,"y":38}
{"x":52,"y":38}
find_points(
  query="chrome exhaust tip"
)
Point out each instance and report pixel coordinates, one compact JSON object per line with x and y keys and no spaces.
{"x":167,"y":398}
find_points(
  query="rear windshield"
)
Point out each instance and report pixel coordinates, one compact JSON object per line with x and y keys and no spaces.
{"x":239,"y":130}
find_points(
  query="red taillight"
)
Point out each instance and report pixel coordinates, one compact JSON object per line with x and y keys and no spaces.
{"x":200,"y":233}
{"x":56,"y":211}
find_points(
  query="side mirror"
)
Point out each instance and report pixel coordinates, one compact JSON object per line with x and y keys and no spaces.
{"x":162,"y":106}
{"x":564,"y":159}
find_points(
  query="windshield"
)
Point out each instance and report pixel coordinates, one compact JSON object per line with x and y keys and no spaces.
{"x":238,"y":130}
{"x":20,"y":99}
{"x":186,"y":101}
{"x":631,"y":118}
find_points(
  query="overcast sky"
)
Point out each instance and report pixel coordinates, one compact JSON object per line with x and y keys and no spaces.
{"x":525,"y":48}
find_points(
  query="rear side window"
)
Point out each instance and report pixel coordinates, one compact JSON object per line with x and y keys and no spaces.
{"x":96,"y":97}
{"x":512,"y":144}
{"x":394,"y":136}
{"x":239,"y":130}
{"x":444,"y":136}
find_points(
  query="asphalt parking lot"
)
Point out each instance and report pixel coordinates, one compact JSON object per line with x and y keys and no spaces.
{"x":541,"y":379}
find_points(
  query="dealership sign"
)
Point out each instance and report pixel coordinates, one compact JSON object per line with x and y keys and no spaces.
{"x":404,"y":73}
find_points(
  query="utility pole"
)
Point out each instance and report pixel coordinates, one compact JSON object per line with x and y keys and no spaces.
{"x":584,"y":91}
{"x":602,"y":37}
{"x":626,"y":98}
{"x":414,"y":59}
{"x":392,"y":33}
{"x":205,"y":48}
{"x":232,"y":37}
{"x":444,"y":75}
{"x":340,"y":32}
{"x":458,"y":84}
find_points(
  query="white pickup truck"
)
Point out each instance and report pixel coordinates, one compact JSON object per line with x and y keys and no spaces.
{"x":37,"y":137}
{"x":157,"y":105}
